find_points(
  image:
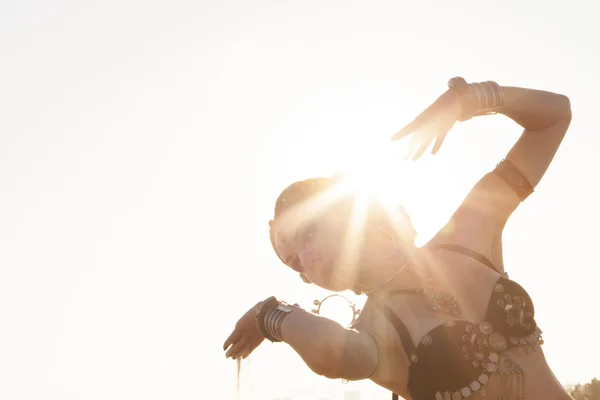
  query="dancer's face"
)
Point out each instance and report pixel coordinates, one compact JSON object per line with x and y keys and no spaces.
{"x":315,"y":248}
{"x":327,"y":244}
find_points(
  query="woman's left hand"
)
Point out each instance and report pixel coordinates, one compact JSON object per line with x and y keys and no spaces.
{"x":433,"y":124}
{"x":245,"y":337}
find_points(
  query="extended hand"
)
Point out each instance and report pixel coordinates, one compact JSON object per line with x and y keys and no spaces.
{"x":433,"y":124}
{"x":245,"y":337}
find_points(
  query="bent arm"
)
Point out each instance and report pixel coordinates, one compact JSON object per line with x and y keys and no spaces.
{"x":329,"y":349}
{"x":545,"y":118}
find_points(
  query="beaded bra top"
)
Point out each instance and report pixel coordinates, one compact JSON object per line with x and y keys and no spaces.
{"x":454,"y":360}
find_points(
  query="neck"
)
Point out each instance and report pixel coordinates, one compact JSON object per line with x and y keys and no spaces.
{"x":398,"y":272}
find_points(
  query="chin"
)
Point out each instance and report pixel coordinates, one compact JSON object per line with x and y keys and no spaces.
{"x":337,"y":286}
{"x":337,"y":289}
{"x":334,"y":281}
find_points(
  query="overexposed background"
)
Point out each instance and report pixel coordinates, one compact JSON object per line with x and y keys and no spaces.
{"x":142,"y":145}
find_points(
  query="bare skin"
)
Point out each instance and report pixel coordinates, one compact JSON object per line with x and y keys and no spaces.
{"x":375,"y":351}
{"x":472,"y":284}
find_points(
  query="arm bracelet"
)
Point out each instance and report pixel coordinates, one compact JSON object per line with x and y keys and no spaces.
{"x":270,"y":316}
{"x":514,"y":178}
{"x":478,"y":98}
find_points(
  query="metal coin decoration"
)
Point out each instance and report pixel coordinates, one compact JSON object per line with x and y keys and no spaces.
{"x":443,"y":303}
{"x":497,"y":342}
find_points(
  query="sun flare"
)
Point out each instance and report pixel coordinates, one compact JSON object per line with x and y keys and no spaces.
{"x":373,"y":172}
{"x":370,"y":173}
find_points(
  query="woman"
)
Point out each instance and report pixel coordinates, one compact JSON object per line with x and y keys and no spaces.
{"x":442,"y":321}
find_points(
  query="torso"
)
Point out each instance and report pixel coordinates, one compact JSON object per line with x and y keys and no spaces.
{"x":491,"y":350}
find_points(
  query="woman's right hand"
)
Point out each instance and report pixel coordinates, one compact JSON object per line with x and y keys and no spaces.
{"x":246,"y":336}
{"x":433,"y":124}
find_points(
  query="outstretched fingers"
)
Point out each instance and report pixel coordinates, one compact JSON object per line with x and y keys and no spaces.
{"x":407,"y":130}
{"x":438,"y":143}
{"x":420,"y":150}
{"x":237,"y":347}
{"x":234,"y":337}
{"x":250,"y":347}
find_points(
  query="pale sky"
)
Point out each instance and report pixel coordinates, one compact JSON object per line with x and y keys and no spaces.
{"x":142,"y":145}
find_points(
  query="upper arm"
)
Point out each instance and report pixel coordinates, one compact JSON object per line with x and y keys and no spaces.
{"x":479,"y":221}
{"x":392,"y":366}
{"x":328,"y":348}
{"x":354,"y":357}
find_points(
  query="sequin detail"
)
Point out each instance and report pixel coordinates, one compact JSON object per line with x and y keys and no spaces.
{"x":483,"y":347}
{"x":426,"y":340}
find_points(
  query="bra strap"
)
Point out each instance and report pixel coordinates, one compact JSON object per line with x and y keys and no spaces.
{"x":399,"y":326}
{"x":467,"y":252}
{"x":397,"y":323}
{"x":405,"y":338}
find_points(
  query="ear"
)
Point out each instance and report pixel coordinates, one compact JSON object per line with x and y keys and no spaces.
{"x":304,"y":278}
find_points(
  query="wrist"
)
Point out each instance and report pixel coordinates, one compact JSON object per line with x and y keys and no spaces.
{"x":270,"y":314}
{"x":489,"y":97}
{"x":479,"y":98}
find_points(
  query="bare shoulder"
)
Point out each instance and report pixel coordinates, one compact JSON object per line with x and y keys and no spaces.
{"x":475,"y":227}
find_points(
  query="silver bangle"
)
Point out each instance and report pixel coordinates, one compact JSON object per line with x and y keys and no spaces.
{"x":273,"y":320}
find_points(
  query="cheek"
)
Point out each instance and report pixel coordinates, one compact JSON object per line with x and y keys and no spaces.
{"x":319,"y":254}
{"x":329,"y":242}
{"x":319,"y":262}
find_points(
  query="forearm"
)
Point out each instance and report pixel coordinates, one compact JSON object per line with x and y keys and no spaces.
{"x":545,"y":116}
{"x":328,"y":348}
{"x":535,"y":109}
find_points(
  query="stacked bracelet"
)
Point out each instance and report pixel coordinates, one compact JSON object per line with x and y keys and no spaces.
{"x":270,"y":316}
{"x":490,"y":96}
{"x":477,"y":98}
{"x":273,"y":320}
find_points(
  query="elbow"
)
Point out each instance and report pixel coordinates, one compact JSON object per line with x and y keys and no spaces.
{"x":326,"y":358}
{"x":326,"y":365}
{"x":327,"y":371}
{"x":354,"y":359}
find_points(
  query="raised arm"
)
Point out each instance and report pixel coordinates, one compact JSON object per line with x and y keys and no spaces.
{"x":479,"y":221}
{"x":326,"y":347}
{"x":545,"y":118}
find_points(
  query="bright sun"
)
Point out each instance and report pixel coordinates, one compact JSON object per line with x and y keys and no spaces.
{"x":373,"y":171}
{"x":380,"y":172}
